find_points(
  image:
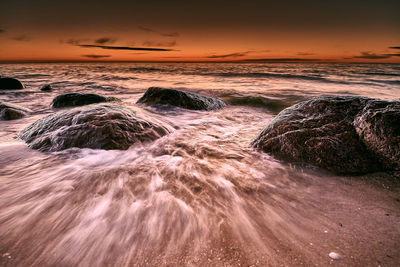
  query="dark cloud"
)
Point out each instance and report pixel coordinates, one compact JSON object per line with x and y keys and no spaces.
{"x":22,"y":38}
{"x":73,"y":41}
{"x":125,"y":47}
{"x":281,"y":60}
{"x":394,"y":47}
{"x":172,"y":34}
{"x":146,"y":29}
{"x":393,"y":55}
{"x":159,"y":44}
{"x":305,"y":54}
{"x":104,"y":40}
{"x":237,"y":54}
{"x":96,"y":56}
{"x":369,"y":55}
{"x":2,"y":31}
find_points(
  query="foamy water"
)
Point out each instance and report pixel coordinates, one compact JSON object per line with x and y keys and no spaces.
{"x":200,"y":196}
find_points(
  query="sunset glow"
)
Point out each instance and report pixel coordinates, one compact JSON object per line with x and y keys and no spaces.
{"x":224,"y":31}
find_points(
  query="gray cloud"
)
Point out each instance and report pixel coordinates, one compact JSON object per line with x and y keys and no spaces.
{"x":305,"y":54}
{"x":22,"y":38}
{"x":124,"y":47}
{"x":281,"y":60}
{"x":237,"y":54}
{"x":96,"y":56}
{"x":105,"y":40}
{"x":157,"y":44}
{"x":172,"y":34}
{"x":369,"y":55}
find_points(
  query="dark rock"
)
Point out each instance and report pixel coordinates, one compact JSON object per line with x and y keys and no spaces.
{"x":12,"y":112}
{"x":46,"y":88}
{"x":378,"y":126}
{"x":100,"y":126}
{"x":183,"y":99}
{"x":339,"y":134}
{"x":77,"y":99}
{"x":10,"y":83}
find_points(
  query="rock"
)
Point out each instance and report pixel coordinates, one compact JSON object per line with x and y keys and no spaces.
{"x":378,"y":126}
{"x":12,"y":112}
{"x":46,"y":88}
{"x":78,"y":99}
{"x":336,"y":133}
{"x":334,"y":256}
{"x":99,"y":126}
{"x":183,"y":99}
{"x":10,"y":83}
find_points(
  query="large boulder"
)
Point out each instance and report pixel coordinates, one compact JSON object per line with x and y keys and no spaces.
{"x":345,"y":135}
{"x":101,"y":126}
{"x":183,"y":99}
{"x":12,"y":112}
{"x":7,"y":83}
{"x":78,"y":99}
{"x":378,"y":126}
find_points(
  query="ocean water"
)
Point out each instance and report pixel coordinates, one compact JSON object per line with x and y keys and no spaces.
{"x":200,"y":196}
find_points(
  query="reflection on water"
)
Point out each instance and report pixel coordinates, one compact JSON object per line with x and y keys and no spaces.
{"x":197,"y":197}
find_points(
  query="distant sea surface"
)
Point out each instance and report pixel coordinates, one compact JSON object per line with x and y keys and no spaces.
{"x":200,"y":196}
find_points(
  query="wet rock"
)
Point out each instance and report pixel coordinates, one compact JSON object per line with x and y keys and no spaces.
{"x":336,"y":133}
{"x":46,"y":88}
{"x":99,"y":126}
{"x":10,"y":83}
{"x":12,"y":112}
{"x":183,"y":99}
{"x":378,"y":126}
{"x":78,"y":99}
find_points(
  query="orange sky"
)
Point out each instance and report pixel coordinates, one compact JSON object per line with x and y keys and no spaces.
{"x":356,"y":32}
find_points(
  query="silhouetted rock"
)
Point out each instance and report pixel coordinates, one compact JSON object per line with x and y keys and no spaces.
{"x":78,"y":99}
{"x":10,"y":83}
{"x":100,"y":126}
{"x":345,"y":135}
{"x":46,"y":88}
{"x":183,"y":99}
{"x":12,"y":112}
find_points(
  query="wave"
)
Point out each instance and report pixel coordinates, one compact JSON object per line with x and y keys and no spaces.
{"x":390,"y":82}
{"x":274,"y":105}
{"x":381,"y":74}
{"x":146,"y":69}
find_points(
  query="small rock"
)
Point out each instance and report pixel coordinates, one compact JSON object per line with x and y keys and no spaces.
{"x":10,"y":111}
{"x":334,"y":256}
{"x":7,"y":83}
{"x":46,"y":88}
{"x":178,"y":98}
{"x":78,"y":99}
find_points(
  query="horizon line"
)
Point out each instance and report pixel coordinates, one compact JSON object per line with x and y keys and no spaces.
{"x":311,"y":61}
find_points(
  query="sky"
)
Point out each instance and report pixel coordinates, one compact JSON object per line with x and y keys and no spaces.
{"x":243,"y":31}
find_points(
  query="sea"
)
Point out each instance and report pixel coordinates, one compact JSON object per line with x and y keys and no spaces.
{"x":200,"y":196}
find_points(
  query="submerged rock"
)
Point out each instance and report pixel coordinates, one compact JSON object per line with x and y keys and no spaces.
{"x":78,"y":99}
{"x":183,"y":99}
{"x":10,"y":83}
{"x":12,"y":112}
{"x":101,"y":126}
{"x":345,"y":135}
{"x":46,"y":88}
